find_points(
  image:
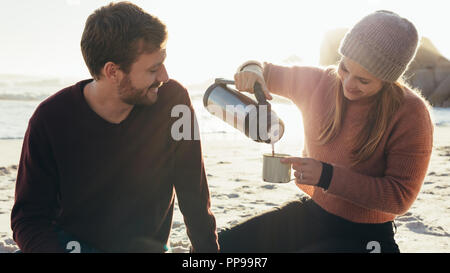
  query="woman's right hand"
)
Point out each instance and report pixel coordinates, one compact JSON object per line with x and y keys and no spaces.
{"x":245,"y":81}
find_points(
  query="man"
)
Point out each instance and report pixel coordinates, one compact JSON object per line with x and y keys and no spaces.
{"x":99,"y":165}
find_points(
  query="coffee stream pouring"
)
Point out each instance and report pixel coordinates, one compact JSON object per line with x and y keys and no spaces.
{"x":255,"y":119}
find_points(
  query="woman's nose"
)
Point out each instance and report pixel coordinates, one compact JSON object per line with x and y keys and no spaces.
{"x":349,"y":84}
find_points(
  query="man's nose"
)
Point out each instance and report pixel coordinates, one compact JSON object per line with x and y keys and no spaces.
{"x":163,"y":76}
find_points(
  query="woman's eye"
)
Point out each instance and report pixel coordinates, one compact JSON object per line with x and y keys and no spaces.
{"x":363,"y":82}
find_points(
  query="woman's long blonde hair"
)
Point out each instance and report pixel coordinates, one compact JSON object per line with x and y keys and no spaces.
{"x":387,"y":101}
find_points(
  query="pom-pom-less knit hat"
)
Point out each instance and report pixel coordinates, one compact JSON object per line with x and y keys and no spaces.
{"x":383,"y":43}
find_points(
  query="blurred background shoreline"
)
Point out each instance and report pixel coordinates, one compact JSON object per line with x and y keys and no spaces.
{"x":208,"y":39}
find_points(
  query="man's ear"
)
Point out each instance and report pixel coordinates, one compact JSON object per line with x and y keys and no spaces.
{"x":112,"y":72}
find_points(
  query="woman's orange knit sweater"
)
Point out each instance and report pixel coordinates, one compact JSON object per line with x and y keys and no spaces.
{"x":380,"y":188}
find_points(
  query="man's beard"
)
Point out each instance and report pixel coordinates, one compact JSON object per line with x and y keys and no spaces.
{"x":135,"y":96}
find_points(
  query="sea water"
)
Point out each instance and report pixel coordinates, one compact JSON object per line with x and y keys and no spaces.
{"x":19,"y":97}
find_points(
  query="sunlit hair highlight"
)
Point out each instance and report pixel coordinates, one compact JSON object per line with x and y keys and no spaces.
{"x":386,"y":103}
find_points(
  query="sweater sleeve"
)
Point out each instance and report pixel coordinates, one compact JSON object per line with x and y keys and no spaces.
{"x":192,"y":191}
{"x":408,"y":153}
{"x":295,"y":83}
{"x":36,"y":195}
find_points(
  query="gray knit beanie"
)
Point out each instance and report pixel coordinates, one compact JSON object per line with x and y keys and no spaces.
{"x":383,"y":43}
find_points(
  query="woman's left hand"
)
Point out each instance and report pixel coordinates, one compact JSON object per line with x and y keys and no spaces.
{"x":307,"y":170}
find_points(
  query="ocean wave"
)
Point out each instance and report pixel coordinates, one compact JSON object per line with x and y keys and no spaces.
{"x":20,"y":87}
{"x":442,"y":124}
{"x":10,"y":138}
{"x":25,"y":80}
{"x":441,"y":116}
{"x":23,"y":96}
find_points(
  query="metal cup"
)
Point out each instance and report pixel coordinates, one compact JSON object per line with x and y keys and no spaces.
{"x":274,"y":171}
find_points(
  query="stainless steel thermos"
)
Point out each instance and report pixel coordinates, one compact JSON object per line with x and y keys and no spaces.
{"x":255,"y":119}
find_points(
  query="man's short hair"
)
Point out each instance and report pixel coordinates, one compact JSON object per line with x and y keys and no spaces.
{"x":119,"y":33}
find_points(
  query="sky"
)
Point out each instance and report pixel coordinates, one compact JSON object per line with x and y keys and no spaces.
{"x":207,"y":38}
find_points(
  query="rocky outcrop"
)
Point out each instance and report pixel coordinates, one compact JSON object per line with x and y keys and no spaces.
{"x":330,"y":44}
{"x":429,"y":72}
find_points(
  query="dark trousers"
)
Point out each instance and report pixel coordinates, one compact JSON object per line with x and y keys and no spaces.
{"x":303,"y":226}
{"x":72,"y":244}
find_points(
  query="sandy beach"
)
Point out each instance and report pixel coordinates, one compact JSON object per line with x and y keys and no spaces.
{"x":197,"y":44}
{"x":233,"y":166}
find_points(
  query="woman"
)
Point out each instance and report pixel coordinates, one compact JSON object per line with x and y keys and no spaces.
{"x":368,"y":141}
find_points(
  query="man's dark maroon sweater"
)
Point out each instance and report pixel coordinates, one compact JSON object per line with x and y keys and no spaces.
{"x":110,"y":185}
